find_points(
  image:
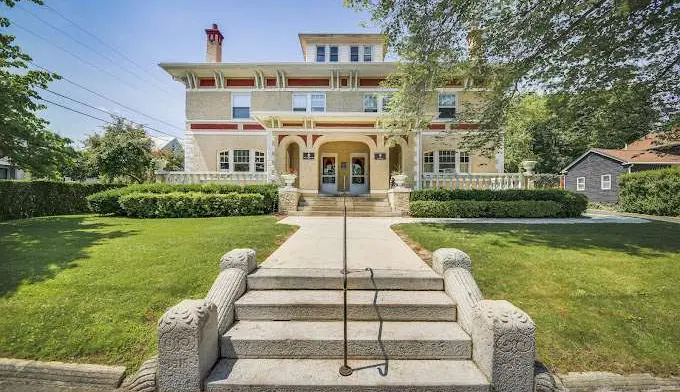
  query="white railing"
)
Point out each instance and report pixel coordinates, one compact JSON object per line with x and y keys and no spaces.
{"x":206,"y":177}
{"x":495,"y":181}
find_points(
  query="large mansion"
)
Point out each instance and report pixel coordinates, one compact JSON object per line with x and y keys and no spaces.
{"x":319,"y":118}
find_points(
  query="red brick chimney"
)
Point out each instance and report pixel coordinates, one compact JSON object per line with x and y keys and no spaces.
{"x":214,"y":44}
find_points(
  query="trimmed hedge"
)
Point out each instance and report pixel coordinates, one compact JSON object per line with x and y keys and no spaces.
{"x":191,"y":204}
{"x":108,"y":202}
{"x":24,"y":199}
{"x":485,"y":209}
{"x":653,"y":192}
{"x":571,"y":204}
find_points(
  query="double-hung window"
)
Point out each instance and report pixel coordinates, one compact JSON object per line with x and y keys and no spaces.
{"x":312,"y":102}
{"x":386,"y":103}
{"x":447,"y":106}
{"x":447,"y":161}
{"x":428,"y":162}
{"x":354,"y":54}
{"x":368,"y":54}
{"x":333,"y":58}
{"x":320,"y":54}
{"x":370,"y":103}
{"x":259,"y":162}
{"x":580,"y":183}
{"x":240,"y":105}
{"x":224,"y":161}
{"x":464,"y":160}
{"x":241,"y":160}
{"x":606,"y":182}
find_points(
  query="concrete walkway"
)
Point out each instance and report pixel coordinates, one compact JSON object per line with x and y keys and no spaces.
{"x":372,"y":243}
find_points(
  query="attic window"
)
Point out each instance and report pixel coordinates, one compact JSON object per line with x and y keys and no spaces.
{"x":320,"y":54}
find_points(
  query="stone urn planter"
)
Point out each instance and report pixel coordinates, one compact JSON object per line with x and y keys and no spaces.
{"x":399,"y":179}
{"x":289,"y":179}
{"x":529,"y":166}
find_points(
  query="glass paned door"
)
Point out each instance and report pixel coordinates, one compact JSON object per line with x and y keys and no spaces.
{"x":358,"y":174}
{"x":329,"y":173}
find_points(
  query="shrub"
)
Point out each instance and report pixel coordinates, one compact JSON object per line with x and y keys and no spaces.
{"x":24,"y":199}
{"x":107,"y":202}
{"x":572,"y":204}
{"x":485,"y":209}
{"x":654,"y":192}
{"x":191,"y":204}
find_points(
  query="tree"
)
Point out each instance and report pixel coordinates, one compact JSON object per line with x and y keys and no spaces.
{"x":172,"y":161}
{"x":570,"y":46}
{"x":24,"y":137}
{"x":123,"y":152}
{"x":556,"y":129}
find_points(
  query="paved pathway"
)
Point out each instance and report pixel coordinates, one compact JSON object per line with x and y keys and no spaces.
{"x":372,"y":243}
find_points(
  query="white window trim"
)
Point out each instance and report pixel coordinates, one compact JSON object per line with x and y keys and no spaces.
{"x":251,"y":161}
{"x":325,"y":53}
{"x":608,"y":181}
{"x":455,"y":102}
{"x":363,"y":53}
{"x":580,"y":187}
{"x":309,"y":101}
{"x":231,"y":108}
{"x":436,"y":162}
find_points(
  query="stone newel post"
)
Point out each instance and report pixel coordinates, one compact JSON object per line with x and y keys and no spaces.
{"x":400,"y":199}
{"x":288,"y":199}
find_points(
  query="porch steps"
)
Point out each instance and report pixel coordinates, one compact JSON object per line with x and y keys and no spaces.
{"x":334,"y":206}
{"x":331,"y":279}
{"x":402,"y":335}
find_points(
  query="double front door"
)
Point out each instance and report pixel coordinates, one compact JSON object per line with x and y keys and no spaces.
{"x":349,"y":176}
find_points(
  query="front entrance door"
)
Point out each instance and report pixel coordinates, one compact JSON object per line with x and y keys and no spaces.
{"x":358,"y":174}
{"x":329,"y":173}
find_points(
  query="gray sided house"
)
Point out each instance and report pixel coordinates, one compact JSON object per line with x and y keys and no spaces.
{"x":596,"y":173}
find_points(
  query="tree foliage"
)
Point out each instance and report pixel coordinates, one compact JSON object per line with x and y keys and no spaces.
{"x":556,"y":129}
{"x":123,"y":152}
{"x":569,"y":46}
{"x":24,"y":137}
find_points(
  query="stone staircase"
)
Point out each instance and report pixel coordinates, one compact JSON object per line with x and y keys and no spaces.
{"x":333,"y":206}
{"x":402,"y":335}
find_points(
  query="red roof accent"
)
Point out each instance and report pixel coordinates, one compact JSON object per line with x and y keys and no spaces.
{"x":437,"y":126}
{"x":281,"y":138}
{"x":240,"y":82}
{"x":314,"y":137}
{"x":641,"y":156}
{"x":270,"y":82}
{"x":311,"y":82}
{"x":206,"y":82}
{"x":214,"y":126}
{"x":252,"y":127}
{"x":344,"y":125}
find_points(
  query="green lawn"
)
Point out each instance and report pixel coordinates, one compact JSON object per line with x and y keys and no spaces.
{"x":91,"y":289}
{"x":603,"y":296}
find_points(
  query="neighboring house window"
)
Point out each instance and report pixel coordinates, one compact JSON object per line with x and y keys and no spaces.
{"x":368,"y":53}
{"x":320,"y":54}
{"x":259,"y":161}
{"x":464,"y":162}
{"x":318,"y":102}
{"x":447,"y":106}
{"x":312,"y":102}
{"x":447,"y":161}
{"x":299,"y":102}
{"x":386,"y":103}
{"x":580,"y":183}
{"x":4,"y":173}
{"x":370,"y":103}
{"x":224,"y":160}
{"x":240,"y":105}
{"x":428,"y":162}
{"x":354,"y":54}
{"x":606,"y":182}
{"x":333,"y":54}
{"x":241,"y":160}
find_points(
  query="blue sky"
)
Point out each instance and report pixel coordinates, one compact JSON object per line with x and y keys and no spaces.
{"x":153,"y":31}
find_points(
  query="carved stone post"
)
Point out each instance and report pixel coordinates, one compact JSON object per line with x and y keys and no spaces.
{"x":288,"y":199}
{"x":187,"y":346}
{"x":243,"y":259}
{"x":400,"y":199}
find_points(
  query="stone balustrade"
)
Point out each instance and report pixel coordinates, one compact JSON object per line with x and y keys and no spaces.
{"x":503,"y":336}
{"x":207,"y":177}
{"x":494,"y":181}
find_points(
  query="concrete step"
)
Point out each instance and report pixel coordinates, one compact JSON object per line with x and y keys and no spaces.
{"x":349,"y":208}
{"x":331,"y":279}
{"x":361,"y":305}
{"x":265,"y":375}
{"x":366,"y":340}
{"x":340,"y":213}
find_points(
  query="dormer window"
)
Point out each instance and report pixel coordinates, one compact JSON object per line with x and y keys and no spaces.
{"x":354,"y":54}
{"x":368,"y":54}
{"x":320,"y":54}
{"x":333,"y":54}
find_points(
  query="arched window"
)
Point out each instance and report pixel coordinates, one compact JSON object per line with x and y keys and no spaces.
{"x":224,"y":161}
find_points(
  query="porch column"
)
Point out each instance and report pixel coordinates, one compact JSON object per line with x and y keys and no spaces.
{"x":417,"y":158}
{"x":270,"y":164}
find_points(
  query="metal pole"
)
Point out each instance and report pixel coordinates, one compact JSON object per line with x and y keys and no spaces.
{"x":345,"y":369}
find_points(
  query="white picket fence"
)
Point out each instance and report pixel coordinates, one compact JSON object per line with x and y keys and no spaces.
{"x":206,"y":177}
{"x":495,"y":181}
